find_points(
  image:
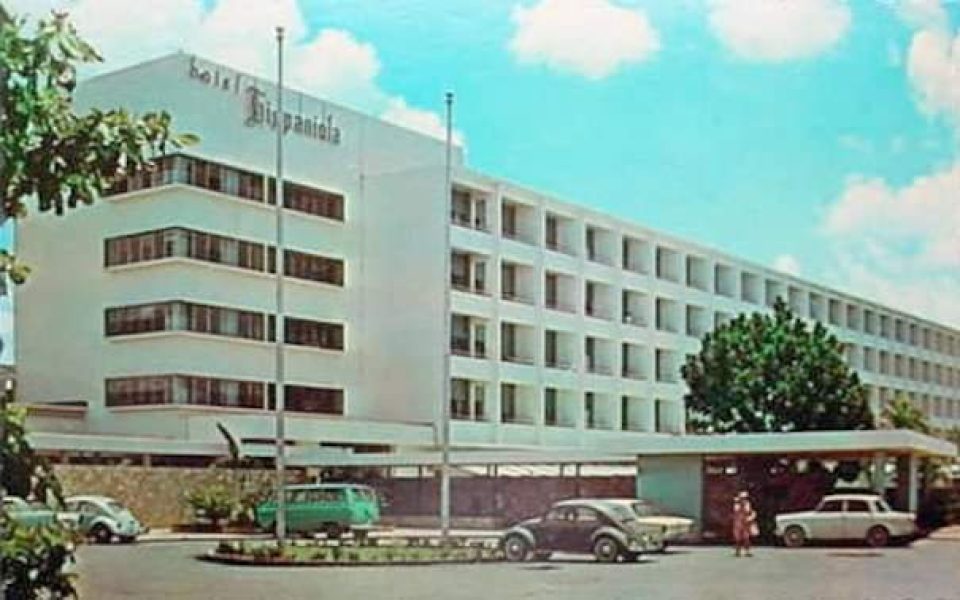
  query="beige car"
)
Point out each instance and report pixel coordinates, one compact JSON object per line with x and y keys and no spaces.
{"x":668,"y":528}
{"x":847,"y":517}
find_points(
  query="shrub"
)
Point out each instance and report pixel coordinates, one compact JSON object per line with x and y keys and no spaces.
{"x":213,"y":502}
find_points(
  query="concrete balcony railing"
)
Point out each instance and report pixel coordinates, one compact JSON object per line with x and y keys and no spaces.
{"x":517,"y":359}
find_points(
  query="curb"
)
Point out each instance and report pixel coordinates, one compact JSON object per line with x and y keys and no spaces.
{"x":238,"y":537}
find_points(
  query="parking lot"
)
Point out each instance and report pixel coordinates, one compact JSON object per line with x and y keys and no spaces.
{"x":927,"y":570}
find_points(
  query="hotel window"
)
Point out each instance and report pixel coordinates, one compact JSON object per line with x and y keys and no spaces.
{"x":139,"y":391}
{"x":303,"y":332}
{"x":165,"y":243}
{"x":309,"y":200}
{"x":508,"y":403}
{"x":299,"y":398}
{"x":550,"y":406}
{"x":459,"y":398}
{"x":181,"y":389}
{"x":460,"y":208}
{"x":128,"y":320}
{"x":309,"y":266}
{"x":589,"y":410}
{"x":183,"y":316}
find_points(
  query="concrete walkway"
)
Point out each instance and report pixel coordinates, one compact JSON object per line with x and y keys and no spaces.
{"x":951,"y":533}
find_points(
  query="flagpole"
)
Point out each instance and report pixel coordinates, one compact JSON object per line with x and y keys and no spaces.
{"x":445,"y":400}
{"x":278,"y":328}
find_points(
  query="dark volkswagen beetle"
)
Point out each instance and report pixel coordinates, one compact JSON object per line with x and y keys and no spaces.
{"x":608,"y":530}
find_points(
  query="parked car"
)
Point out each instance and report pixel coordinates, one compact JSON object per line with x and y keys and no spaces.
{"x":330,"y":508}
{"x":847,"y":517}
{"x":102,"y":519}
{"x":668,"y":527}
{"x":607,"y":529}
{"x":35,"y":514}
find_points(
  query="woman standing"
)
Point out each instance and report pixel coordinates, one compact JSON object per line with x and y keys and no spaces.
{"x":744,"y":523}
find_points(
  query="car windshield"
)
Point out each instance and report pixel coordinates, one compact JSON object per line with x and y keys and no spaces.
{"x":114,"y":506}
{"x":644,"y":509}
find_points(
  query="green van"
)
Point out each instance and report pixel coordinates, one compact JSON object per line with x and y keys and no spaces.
{"x":331,"y":508}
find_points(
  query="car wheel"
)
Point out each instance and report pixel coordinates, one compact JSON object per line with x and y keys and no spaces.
{"x":878,"y":536}
{"x":606,"y":549}
{"x":515,"y":548}
{"x":101,"y":534}
{"x":794,"y":537}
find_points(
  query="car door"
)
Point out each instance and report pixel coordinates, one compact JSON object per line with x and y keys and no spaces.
{"x":550,"y":531}
{"x":297,"y":510}
{"x":588,"y":520}
{"x":857,"y":519}
{"x":564,"y":534}
{"x":826,"y":522}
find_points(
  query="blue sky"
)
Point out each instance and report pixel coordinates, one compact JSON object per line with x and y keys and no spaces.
{"x":820,"y":136}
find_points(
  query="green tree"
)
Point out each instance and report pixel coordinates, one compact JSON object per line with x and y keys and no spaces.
{"x":902,"y":414}
{"x":772,"y":373}
{"x":57,"y":159}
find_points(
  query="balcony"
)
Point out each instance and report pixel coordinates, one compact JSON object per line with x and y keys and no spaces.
{"x":560,"y":292}
{"x":519,"y":222}
{"x":468,"y":209}
{"x":468,"y":336}
{"x":517,"y":344}
{"x":468,"y":272}
{"x":517,"y":282}
{"x":635,"y":308}
{"x":518,"y":404}
{"x":599,"y":300}
{"x":561,"y":234}
{"x":637,"y":256}
{"x":559,"y":350}
{"x":598,"y":356}
{"x":601,"y":245}
{"x":468,"y":400}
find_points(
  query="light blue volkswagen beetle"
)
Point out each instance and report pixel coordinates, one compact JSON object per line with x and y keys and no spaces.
{"x":102,"y":519}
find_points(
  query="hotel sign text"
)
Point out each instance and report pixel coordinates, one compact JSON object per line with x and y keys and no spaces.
{"x":260,"y":112}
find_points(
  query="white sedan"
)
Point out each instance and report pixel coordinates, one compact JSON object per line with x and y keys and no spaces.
{"x":847,"y":517}
{"x":667,"y":527}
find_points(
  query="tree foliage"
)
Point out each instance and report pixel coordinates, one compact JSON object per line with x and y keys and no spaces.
{"x":772,"y":373}
{"x":59,"y":159}
{"x":902,"y":414}
{"x":48,"y":152}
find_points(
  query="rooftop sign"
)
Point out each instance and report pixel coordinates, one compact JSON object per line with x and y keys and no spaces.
{"x":259,"y":111}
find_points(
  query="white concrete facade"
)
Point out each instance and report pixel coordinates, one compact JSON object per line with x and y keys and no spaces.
{"x":569,"y":325}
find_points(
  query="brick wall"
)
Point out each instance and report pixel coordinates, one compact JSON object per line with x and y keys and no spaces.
{"x":154,"y":494}
{"x":498,"y":499}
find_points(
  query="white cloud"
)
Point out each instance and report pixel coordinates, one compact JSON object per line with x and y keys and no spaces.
{"x":592,"y":38}
{"x":900,"y":245}
{"x":774,"y":31}
{"x":922,"y":13}
{"x":424,"y":121}
{"x":933,"y":65}
{"x":331,"y":63}
{"x":787,"y":263}
{"x":923,"y":217}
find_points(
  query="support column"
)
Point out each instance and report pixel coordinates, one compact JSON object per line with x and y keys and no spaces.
{"x":913,"y":492}
{"x":878,"y":477}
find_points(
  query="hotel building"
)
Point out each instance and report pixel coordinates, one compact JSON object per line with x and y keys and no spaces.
{"x":153,"y":308}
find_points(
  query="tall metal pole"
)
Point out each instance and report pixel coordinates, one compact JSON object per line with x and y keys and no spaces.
{"x":445,"y":399}
{"x":278,"y":327}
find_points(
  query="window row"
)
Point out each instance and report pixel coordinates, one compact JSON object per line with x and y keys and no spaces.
{"x":564,"y":350}
{"x":208,"y":247}
{"x":205,"y":391}
{"x":883,"y":362}
{"x":216,"y":320}
{"x":564,"y":234}
{"x":234,"y":182}
{"x":554,"y":407}
{"x":932,"y":406}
